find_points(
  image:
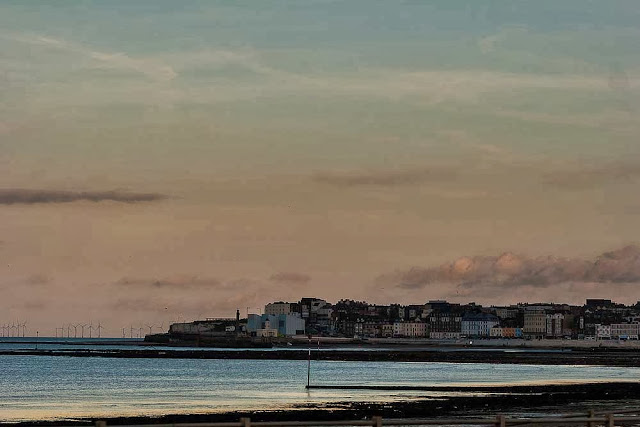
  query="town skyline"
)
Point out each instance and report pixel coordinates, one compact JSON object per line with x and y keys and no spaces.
{"x":475,"y":279}
{"x":404,"y":313}
{"x":435,"y":319}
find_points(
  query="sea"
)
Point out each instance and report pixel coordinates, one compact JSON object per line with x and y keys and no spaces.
{"x":54,"y":388}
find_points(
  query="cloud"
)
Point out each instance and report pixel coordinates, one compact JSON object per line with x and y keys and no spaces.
{"x":13,"y":196}
{"x":511,"y":271}
{"x":171,"y":282}
{"x":149,"y":67}
{"x":385,"y":178}
{"x":588,"y":177}
{"x":291,"y":278}
{"x":206,"y":298}
{"x":38,"y":280}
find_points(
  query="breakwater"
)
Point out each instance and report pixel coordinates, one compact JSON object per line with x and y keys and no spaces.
{"x":600,"y":357}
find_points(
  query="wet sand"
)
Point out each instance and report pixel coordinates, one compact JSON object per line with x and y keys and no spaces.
{"x":555,"y":399}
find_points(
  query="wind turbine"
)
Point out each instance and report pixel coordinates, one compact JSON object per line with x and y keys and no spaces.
{"x":24,"y":329}
{"x":75,"y":330}
{"x":153,"y":326}
{"x":99,"y":328}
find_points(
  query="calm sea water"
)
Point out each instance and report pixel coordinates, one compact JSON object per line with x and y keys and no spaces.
{"x":43,"y":387}
{"x":30,"y":343}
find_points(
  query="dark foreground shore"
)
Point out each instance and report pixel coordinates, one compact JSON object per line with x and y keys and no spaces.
{"x":545,"y":399}
{"x":599,"y":357}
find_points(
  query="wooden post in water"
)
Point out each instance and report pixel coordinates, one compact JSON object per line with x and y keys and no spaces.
{"x":501,"y":421}
{"x":101,"y":424}
{"x":592,"y":414}
{"x":246,"y":422}
{"x":377,"y":421}
{"x":309,"y":364}
{"x":610,"y":422}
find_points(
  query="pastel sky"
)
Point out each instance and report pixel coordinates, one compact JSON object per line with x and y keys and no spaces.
{"x":163,"y":160}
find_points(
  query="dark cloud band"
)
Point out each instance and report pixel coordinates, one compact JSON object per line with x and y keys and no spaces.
{"x":291,"y":278}
{"x":26,"y":197}
{"x":385,"y":178}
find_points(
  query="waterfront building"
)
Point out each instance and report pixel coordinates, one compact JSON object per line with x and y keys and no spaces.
{"x":371,"y":329}
{"x":535,"y":322}
{"x":445,"y":326}
{"x":410,"y":329}
{"x":509,"y":332}
{"x":603,"y":331}
{"x":285,"y":325}
{"x":554,"y":325}
{"x":625,"y":330}
{"x":386,"y":330}
{"x":478,"y":325}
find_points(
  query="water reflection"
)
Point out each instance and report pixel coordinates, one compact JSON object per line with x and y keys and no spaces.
{"x":41,"y":387}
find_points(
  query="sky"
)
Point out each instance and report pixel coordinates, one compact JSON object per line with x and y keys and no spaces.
{"x":165,"y":161}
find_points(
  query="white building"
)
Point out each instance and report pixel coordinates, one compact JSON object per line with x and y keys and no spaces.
{"x":603,"y":331}
{"x":284,"y":324}
{"x":554,"y":324}
{"x":478,"y":325}
{"x":410,"y":329}
{"x":625,"y":330}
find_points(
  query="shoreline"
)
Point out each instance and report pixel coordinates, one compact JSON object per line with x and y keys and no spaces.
{"x":498,"y":400}
{"x":164,"y":340}
{"x":601,"y":357}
